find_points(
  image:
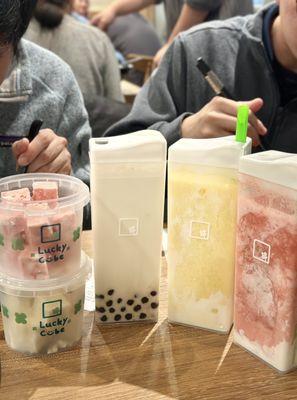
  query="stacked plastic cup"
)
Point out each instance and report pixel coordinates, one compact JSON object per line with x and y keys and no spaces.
{"x":42,"y":273}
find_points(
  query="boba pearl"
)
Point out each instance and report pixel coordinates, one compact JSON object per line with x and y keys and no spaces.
{"x":110,"y":292}
{"x":142,"y":316}
{"x":130,"y":302}
{"x":144,"y":300}
{"x":128,"y":316}
{"x":109,"y":303}
{"x":154,"y":305}
{"x":104,"y":318}
{"x":117,"y":317}
{"x":137,"y":308}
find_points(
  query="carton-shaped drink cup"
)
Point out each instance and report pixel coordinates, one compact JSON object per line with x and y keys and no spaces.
{"x":127,"y":194}
{"x":202,"y":206}
{"x":266,"y":268}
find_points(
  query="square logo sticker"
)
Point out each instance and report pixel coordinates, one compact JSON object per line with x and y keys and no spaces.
{"x":261,"y":251}
{"x":128,"y":227}
{"x":51,"y":309}
{"x":200,"y":230}
{"x":50,"y":233}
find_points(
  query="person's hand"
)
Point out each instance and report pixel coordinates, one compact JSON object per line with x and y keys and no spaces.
{"x":160,"y":54}
{"x":104,"y":19}
{"x":46,"y":153}
{"x":218,"y":118}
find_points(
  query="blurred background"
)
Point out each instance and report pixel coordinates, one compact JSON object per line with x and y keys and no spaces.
{"x":155,"y":14}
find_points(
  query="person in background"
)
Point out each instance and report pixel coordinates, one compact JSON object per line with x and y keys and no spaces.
{"x":130,"y":34}
{"x":80,"y":11}
{"x":35,"y":84}
{"x":133,"y":34}
{"x":81,"y":7}
{"x":89,"y":53}
{"x":256,"y":59}
{"x":180,"y":14}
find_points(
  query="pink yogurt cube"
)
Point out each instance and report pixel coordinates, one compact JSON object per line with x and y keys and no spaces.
{"x":45,"y":191}
{"x":18,"y":195}
{"x":31,"y":267}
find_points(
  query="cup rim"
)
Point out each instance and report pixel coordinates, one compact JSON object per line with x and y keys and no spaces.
{"x":31,"y":288}
{"x":79,"y":199}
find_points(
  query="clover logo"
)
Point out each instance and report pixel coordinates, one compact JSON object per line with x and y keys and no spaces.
{"x":50,"y":233}
{"x":203,"y":234}
{"x":76,"y":234}
{"x":1,"y":240}
{"x":262,"y":251}
{"x":56,"y":311}
{"x":20,"y":318}
{"x":264,"y":256}
{"x":5,"y":311}
{"x":18,"y":244}
{"x":77,"y":307}
{"x":200,"y":230}
{"x":56,"y":235}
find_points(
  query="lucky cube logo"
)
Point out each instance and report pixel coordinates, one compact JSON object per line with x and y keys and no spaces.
{"x":50,"y":233}
{"x":261,"y":251}
{"x":128,"y":226}
{"x":200,"y":230}
{"x":52,"y":309}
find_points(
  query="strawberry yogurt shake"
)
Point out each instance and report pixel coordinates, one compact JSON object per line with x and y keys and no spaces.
{"x":266,"y":267}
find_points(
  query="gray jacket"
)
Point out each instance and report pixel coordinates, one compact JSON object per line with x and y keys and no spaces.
{"x":41,"y":86}
{"x":235,"y":51}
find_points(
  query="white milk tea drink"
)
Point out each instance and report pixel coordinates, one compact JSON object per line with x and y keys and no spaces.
{"x":202,"y":206}
{"x":265,"y":317}
{"x":127,"y":194}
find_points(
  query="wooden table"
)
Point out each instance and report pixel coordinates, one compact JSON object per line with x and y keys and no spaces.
{"x":143,"y":361}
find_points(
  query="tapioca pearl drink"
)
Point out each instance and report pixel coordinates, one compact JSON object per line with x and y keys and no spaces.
{"x":128,"y":184}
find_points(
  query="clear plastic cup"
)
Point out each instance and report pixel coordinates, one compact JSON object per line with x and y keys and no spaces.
{"x":46,"y":316}
{"x":41,"y":238}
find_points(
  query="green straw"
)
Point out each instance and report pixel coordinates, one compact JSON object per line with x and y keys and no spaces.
{"x":242,"y":123}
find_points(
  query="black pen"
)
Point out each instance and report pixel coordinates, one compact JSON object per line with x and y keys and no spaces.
{"x":34,"y":129}
{"x":212,"y":79}
{"x":33,"y":132}
{"x":215,"y":83}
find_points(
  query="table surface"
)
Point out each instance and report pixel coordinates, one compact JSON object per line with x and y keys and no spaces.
{"x":143,"y":361}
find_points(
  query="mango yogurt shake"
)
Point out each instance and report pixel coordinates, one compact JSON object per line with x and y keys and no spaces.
{"x":202,"y":207}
